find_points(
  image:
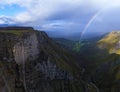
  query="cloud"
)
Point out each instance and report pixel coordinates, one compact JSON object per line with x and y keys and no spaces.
{"x":42,"y":9}
{"x":6,"y":20}
{"x":58,"y":15}
{"x":23,"y":17}
{"x":59,"y":25}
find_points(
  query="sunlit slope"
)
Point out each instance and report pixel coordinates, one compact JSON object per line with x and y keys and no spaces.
{"x":107,"y":75}
{"x":111,"y":42}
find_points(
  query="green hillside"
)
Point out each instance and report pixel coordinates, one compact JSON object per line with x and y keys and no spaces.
{"x":101,"y":62}
{"x":111,"y":42}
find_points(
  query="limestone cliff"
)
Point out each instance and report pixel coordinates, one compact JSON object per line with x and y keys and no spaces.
{"x":26,"y":49}
{"x":30,"y":61}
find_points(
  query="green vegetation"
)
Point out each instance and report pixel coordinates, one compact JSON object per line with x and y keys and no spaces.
{"x":101,"y":61}
{"x":70,"y":45}
{"x":15,"y":32}
{"x":61,"y":57}
{"x":118,"y":76}
{"x":65,"y":43}
{"x":111,"y":42}
{"x":77,"y":46}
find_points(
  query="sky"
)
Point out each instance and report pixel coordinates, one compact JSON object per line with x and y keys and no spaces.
{"x":62,"y":17}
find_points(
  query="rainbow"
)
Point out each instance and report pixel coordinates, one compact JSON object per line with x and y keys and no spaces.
{"x":89,"y":23}
{"x":92,"y":19}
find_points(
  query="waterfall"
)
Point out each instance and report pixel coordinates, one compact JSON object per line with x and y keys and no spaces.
{"x":23,"y":63}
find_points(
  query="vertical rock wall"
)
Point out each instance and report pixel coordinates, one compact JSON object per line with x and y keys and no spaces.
{"x":26,"y":49}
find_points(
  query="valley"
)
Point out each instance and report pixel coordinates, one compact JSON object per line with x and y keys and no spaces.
{"x":30,"y":61}
{"x":100,"y":62}
{"x":59,"y":46}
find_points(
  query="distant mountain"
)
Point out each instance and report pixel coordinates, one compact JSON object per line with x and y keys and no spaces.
{"x":76,"y":36}
{"x":71,"y":36}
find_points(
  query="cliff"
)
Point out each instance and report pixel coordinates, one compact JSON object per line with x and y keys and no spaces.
{"x":30,"y":61}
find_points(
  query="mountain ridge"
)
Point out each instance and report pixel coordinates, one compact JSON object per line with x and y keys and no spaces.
{"x":111,"y":42}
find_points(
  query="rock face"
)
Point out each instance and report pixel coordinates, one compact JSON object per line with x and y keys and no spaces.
{"x":32,"y":62}
{"x":26,"y":49}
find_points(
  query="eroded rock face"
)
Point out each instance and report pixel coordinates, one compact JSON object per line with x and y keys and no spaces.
{"x":26,"y":49}
{"x":51,"y":71}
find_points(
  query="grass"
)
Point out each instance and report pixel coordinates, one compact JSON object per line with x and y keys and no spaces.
{"x":118,"y":76}
{"x":110,"y":42}
{"x":15,"y":32}
{"x":77,"y":47}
